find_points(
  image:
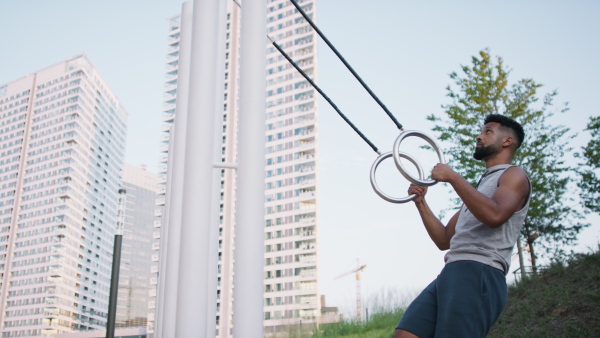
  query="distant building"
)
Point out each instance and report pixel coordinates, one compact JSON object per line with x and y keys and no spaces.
{"x":62,"y":142}
{"x":329,"y":314}
{"x":291,"y":186}
{"x":136,"y":252}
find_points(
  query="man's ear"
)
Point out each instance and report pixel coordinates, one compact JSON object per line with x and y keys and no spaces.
{"x":508,"y":141}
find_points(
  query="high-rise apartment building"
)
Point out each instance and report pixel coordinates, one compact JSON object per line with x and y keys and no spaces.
{"x":291,"y":214}
{"x":136,"y":251}
{"x":168,"y":118}
{"x":291,"y":224}
{"x":62,"y":142}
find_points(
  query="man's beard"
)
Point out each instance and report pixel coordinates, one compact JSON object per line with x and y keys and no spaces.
{"x":483,"y":152}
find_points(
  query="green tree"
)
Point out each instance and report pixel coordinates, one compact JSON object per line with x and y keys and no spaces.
{"x":552,"y":222}
{"x":590,"y":183}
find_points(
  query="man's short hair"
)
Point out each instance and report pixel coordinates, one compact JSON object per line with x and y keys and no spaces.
{"x":507,"y":122}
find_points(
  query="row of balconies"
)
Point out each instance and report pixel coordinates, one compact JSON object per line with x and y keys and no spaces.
{"x":307,"y":182}
{"x":299,"y":302}
{"x":306,"y":132}
{"x":305,"y":169}
{"x":305,"y":220}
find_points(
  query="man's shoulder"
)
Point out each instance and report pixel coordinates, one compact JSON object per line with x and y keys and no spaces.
{"x":508,"y":172}
{"x":517,"y":178}
{"x":515,"y":172}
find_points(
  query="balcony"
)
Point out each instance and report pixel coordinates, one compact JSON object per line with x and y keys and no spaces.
{"x":173,"y":55}
{"x":169,"y":118}
{"x":166,"y":128}
{"x":64,"y":192}
{"x":169,"y":98}
{"x":306,"y":157}
{"x":312,"y":259}
{"x":307,"y":182}
{"x":304,"y":120}
{"x":307,"y":197}
{"x":165,"y":138}
{"x":171,"y":77}
{"x":172,"y":66}
{"x":309,"y":246}
{"x":307,"y":132}
{"x":308,"y":273}
{"x":308,"y":233}
{"x":71,"y":138}
{"x":306,"y":169}
{"x":303,"y":52}
{"x":172,"y":49}
{"x":305,"y":220}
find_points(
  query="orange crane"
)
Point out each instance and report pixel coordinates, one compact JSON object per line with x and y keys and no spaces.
{"x":357,"y":270}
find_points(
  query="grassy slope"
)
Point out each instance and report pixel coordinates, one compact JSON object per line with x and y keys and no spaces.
{"x":563,"y":302}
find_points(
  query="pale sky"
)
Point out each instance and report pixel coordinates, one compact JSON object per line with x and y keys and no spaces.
{"x":404,"y":50}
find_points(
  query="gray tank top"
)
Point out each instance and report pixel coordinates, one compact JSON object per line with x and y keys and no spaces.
{"x":473,"y":241}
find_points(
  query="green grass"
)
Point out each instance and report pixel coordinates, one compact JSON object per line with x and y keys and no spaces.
{"x":563,"y":301}
{"x":380,"y":325}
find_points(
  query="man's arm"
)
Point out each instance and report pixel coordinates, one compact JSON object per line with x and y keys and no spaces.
{"x":510,"y":197}
{"x":438,"y":233}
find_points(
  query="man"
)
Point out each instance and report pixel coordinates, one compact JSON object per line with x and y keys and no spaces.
{"x":468,"y":296}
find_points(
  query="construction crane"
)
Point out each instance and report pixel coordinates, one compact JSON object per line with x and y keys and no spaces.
{"x":357,"y":270}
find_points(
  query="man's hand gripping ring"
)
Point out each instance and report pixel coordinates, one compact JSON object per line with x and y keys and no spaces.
{"x":397,"y":154}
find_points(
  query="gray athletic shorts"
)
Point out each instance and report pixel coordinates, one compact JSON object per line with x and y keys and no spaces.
{"x":465,"y":300}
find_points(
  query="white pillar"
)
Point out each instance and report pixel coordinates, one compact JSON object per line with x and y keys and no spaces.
{"x":213,"y":246}
{"x":192,"y":284}
{"x":249,"y":229}
{"x":177,"y":138}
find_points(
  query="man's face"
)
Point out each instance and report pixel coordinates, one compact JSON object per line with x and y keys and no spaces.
{"x":488,"y":142}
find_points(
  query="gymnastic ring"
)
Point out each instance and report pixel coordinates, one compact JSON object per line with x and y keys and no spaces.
{"x":376,"y":187}
{"x":396,"y":153}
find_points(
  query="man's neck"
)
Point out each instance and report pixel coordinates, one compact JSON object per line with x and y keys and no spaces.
{"x":496,"y":159}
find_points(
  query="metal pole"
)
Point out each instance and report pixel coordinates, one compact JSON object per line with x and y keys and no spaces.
{"x":194,"y":262}
{"x":116,"y":265}
{"x":358,"y":298}
{"x":521,"y":259}
{"x":249,"y":229}
{"x":213,"y":245}
{"x":176,"y":175}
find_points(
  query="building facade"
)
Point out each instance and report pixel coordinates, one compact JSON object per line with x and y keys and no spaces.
{"x":291,"y":264}
{"x":291,"y":224}
{"x":136,"y":251}
{"x":62,"y":142}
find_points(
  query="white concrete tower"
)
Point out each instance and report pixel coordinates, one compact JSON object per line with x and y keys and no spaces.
{"x":291,"y":284}
{"x":62,"y":147}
